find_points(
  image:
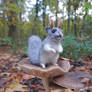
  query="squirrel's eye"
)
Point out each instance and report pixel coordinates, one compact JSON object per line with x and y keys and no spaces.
{"x":54,"y":30}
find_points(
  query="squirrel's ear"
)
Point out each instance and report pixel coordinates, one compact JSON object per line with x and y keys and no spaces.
{"x":47,"y":28}
{"x":59,"y":23}
{"x":51,"y":23}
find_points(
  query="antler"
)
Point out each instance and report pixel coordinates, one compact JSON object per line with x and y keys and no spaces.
{"x":51,"y":23}
{"x":59,"y":23}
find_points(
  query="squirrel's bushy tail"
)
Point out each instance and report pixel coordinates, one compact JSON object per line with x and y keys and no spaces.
{"x":34,"y":44}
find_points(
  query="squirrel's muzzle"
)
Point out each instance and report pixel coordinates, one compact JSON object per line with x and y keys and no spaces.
{"x":59,"y":36}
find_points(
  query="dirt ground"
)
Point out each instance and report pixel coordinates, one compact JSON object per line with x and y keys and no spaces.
{"x":12,"y":79}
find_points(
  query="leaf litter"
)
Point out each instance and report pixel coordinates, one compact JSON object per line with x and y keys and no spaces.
{"x":12,"y":79}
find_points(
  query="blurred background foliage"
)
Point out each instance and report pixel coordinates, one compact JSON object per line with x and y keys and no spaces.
{"x":20,"y":19}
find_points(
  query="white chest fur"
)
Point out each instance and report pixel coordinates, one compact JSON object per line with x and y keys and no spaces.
{"x":59,"y":48}
{"x":48,"y":47}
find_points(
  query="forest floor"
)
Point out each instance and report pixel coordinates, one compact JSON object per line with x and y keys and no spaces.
{"x":14,"y":80}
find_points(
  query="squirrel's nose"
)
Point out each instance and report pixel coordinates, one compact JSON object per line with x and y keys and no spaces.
{"x":59,"y":36}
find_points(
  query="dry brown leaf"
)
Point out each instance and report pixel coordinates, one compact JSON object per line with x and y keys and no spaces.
{"x":27,"y":77}
{"x":16,"y":87}
{"x":1,"y":89}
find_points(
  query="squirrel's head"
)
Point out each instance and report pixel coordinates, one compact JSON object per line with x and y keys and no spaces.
{"x":55,"y":32}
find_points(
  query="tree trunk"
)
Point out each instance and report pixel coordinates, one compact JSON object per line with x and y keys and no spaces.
{"x":35,"y":18}
{"x":44,"y":15}
{"x":12,"y":26}
{"x":69,"y":16}
{"x":12,"y":32}
{"x":20,"y":15}
{"x":36,"y":9}
{"x":56,"y":12}
{"x":75,"y":26}
{"x":84,"y":18}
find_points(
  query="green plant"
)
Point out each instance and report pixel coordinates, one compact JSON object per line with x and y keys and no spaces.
{"x":75,"y":49}
{"x":25,"y":50}
{"x":6,"y":41}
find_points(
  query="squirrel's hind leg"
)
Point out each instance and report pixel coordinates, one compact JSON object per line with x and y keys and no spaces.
{"x":55,"y":64}
{"x":43,"y":65}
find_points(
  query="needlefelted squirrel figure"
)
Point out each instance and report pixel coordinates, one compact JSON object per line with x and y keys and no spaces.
{"x":46,"y":51}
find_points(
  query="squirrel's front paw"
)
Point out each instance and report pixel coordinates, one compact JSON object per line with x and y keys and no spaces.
{"x":52,"y":50}
{"x":48,"y":48}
